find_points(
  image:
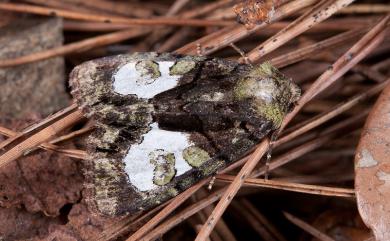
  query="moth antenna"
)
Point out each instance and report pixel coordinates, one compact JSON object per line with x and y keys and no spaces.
{"x":242,"y":53}
{"x":199,"y":50}
{"x":211,"y":183}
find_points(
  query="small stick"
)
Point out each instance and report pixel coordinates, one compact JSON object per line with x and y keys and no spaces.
{"x":318,"y":120}
{"x":204,"y":9}
{"x":307,"y":51}
{"x":321,"y":11}
{"x":166,"y":211}
{"x":231,"y":34}
{"x":320,"y":140}
{"x":262,"y":219}
{"x":366,"y":9}
{"x":257,"y":226}
{"x":40,"y":137}
{"x":164,"y":227}
{"x":30,"y":129}
{"x":25,"y":8}
{"x":232,"y":190}
{"x":242,"y":53}
{"x":259,"y":152}
{"x":186,"y":213}
{"x":79,"y":46}
{"x":294,"y":187}
{"x":79,"y":154}
{"x":177,"y":201}
{"x":358,"y":51}
{"x":308,"y":228}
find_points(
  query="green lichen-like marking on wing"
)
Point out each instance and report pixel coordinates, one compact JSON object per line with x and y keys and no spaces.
{"x":195,"y":156}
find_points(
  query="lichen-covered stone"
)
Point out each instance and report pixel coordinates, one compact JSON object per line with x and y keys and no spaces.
{"x":38,"y":86}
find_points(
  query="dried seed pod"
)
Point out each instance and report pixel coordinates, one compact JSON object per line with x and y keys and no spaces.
{"x":254,"y":12}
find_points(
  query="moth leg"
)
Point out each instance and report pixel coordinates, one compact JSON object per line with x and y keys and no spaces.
{"x":211,"y":183}
{"x":199,"y":50}
{"x":242,"y":53}
{"x":274,"y":136}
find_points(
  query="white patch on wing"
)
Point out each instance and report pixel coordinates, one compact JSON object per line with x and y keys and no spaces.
{"x":266,"y":90}
{"x":137,"y":160}
{"x":129,"y":81}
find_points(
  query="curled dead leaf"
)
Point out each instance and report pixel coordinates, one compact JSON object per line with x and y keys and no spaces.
{"x":372,"y":166}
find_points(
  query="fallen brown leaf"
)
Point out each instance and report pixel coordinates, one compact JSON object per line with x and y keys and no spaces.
{"x":372,"y":165}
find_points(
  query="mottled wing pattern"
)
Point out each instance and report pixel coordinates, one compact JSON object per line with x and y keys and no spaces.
{"x":165,"y":121}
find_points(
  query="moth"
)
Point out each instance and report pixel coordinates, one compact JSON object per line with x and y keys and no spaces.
{"x":164,"y":122}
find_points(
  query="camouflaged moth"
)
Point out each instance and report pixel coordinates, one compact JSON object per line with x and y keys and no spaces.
{"x":166,"y":121}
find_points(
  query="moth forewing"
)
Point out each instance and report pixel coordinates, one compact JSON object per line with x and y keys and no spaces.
{"x":166,"y":121}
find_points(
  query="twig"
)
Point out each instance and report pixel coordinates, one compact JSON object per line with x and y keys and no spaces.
{"x":329,"y":25}
{"x":366,"y":8}
{"x":187,"y":212}
{"x":172,"y":41}
{"x":249,"y":166}
{"x":305,"y":52}
{"x":65,"y":5}
{"x":370,"y":73}
{"x":318,"y":178}
{"x":25,"y":8}
{"x":120,"y":227}
{"x":221,"y":229}
{"x":231,"y":34}
{"x":331,"y":132}
{"x":176,"y":7}
{"x":73,"y":25}
{"x":318,"y":120}
{"x":294,"y":187}
{"x":118,"y":8}
{"x":355,"y":54}
{"x":181,"y":33}
{"x":196,"y":12}
{"x":257,"y":225}
{"x":80,"y":154}
{"x":72,"y":134}
{"x":321,"y":139}
{"x":29,"y":130}
{"x":261,"y":218}
{"x":49,"y":146}
{"x":232,"y":190}
{"x":79,"y":46}
{"x":317,"y":14}
{"x":38,"y":138}
{"x":99,"y":7}
{"x":159,"y":34}
{"x":166,"y":211}
{"x":154,"y":7}
{"x":176,"y":202}
{"x":308,"y":228}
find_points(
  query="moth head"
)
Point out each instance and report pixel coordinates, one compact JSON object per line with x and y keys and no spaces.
{"x":271,"y":93}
